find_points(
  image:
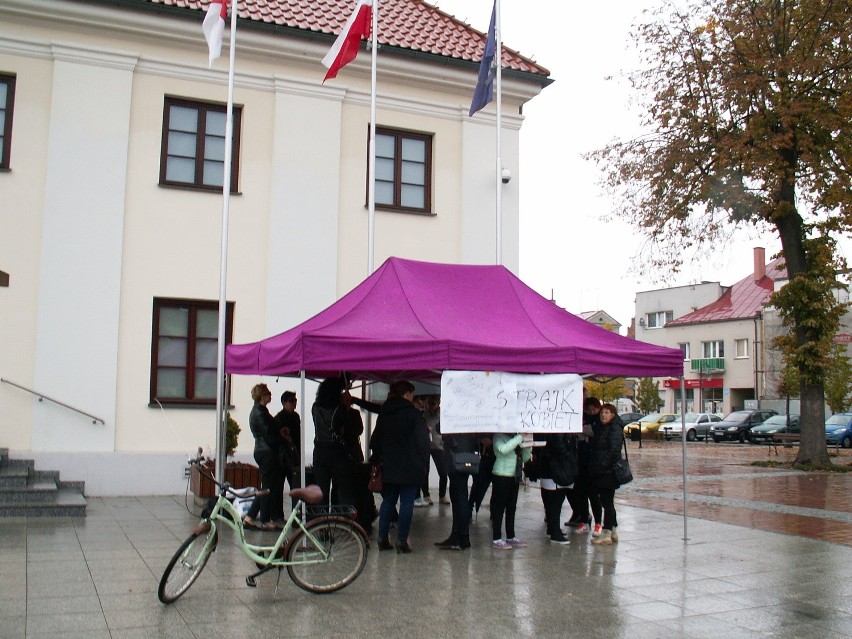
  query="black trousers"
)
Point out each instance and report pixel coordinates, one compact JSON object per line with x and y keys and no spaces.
{"x":461,"y":508}
{"x":504,"y":500}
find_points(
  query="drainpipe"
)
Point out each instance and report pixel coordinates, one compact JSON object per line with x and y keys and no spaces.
{"x":758,"y":369}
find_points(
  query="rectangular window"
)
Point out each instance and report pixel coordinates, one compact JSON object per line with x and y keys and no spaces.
{"x":741,"y":348}
{"x":403,"y":170}
{"x":7,"y":102}
{"x":659,"y":319}
{"x":193,"y":145}
{"x":684,"y":348}
{"x":715,"y":348}
{"x":184,"y":348}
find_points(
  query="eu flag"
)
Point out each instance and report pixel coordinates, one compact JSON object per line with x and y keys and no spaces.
{"x":484,"y":92}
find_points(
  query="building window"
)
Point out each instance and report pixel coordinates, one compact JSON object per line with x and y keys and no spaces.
{"x":184,"y":348}
{"x":659,"y":319}
{"x":741,"y":348}
{"x":404,"y":170}
{"x":7,"y":101}
{"x":715,"y":348}
{"x":684,"y":348}
{"x":193,"y":145}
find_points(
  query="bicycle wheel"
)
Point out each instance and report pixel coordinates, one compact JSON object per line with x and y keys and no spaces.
{"x":186,"y":565}
{"x":347,"y":554}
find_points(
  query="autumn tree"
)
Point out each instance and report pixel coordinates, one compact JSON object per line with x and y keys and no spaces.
{"x":747,"y":106}
{"x":838,"y":380}
{"x":648,"y":395}
{"x":606,"y":390}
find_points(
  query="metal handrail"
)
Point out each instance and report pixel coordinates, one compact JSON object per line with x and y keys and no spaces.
{"x":42,"y":396}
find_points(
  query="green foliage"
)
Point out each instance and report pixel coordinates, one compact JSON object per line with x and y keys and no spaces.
{"x":648,"y":395}
{"x":788,"y":384}
{"x":232,"y":433}
{"x":838,"y":380}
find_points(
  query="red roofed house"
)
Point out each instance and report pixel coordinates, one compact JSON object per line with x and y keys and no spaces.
{"x":111,"y":164}
{"x":720,"y":330}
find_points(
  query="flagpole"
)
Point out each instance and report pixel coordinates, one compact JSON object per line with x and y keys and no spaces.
{"x":371,"y":187}
{"x":223,"y":260}
{"x":498,"y":55}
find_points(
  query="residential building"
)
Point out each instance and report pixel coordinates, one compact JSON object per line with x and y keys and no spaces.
{"x":602,"y":319}
{"x":720,"y":331}
{"x":111,"y":171}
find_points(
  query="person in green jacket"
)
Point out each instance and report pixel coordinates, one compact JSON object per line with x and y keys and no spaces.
{"x":505,"y":477}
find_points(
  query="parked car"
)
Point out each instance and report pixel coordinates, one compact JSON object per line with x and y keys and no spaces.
{"x":697,"y":426}
{"x":772,"y":426}
{"x":838,"y":430}
{"x":627,"y":418}
{"x":736,"y":425}
{"x":650,"y":423}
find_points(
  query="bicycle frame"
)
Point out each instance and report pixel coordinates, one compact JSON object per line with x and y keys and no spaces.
{"x":266,"y":556}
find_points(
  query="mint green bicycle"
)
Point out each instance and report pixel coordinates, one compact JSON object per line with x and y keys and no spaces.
{"x":323,"y":554}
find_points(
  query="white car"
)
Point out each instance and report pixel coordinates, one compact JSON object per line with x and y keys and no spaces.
{"x":697,"y":426}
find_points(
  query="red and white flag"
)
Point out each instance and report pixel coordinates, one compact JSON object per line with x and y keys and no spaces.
{"x":345,"y":48}
{"x":214,"y":27}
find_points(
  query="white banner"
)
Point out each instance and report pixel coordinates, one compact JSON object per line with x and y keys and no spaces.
{"x":483,"y":402}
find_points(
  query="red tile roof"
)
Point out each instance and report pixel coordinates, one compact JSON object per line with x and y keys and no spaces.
{"x":405,"y":24}
{"x":741,"y":301}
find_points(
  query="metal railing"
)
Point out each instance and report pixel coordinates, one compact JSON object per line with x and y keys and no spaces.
{"x":42,"y":396}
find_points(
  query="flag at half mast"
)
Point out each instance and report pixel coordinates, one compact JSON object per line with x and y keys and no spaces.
{"x":484,"y":92}
{"x":214,"y":27}
{"x":345,"y":48}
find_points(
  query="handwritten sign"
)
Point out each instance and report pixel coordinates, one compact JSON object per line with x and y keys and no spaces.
{"x":483,"y":402}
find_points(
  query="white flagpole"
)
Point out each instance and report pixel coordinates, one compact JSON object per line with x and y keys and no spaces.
{"x":498,"y":60}
{"x":223,"y":271}
{"x":371,"y":187}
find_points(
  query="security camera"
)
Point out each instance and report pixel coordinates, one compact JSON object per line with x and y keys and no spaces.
{"x":505,"y":175}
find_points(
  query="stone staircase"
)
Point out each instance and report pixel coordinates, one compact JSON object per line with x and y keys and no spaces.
{"x":27,"y":492}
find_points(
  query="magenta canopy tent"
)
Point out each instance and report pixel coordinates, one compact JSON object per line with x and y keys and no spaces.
{"x":417,"y":319}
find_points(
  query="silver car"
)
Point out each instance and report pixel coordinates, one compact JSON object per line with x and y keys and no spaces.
{"x":697,"y":426}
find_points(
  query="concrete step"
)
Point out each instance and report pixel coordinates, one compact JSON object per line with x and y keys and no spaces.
{"x":68,"y":503}
{"x":15,"y":473}
{"x":35,"y":490}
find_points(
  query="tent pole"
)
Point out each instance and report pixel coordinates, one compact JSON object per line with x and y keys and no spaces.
{"x":683,"y":448}
{"x":302,"y":434}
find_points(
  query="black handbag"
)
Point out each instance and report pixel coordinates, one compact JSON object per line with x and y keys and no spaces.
{"x":464,"y":463}
{"x":621,"y":469}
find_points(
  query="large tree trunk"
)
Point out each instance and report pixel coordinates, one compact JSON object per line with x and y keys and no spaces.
{"x":812,"y":449}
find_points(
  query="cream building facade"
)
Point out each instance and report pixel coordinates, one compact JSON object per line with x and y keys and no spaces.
{"x":101,"y":249}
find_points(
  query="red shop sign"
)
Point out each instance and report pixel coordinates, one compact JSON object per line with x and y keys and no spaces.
{"x":695,"y":383}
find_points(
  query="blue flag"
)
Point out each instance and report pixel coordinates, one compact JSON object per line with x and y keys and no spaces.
{"x":484,"y":92}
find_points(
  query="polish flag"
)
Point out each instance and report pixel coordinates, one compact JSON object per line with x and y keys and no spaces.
{"x":214,"y":27}
{"x":345,"y":48}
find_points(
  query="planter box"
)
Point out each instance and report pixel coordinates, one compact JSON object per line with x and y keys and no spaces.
{"x":238,"y":474}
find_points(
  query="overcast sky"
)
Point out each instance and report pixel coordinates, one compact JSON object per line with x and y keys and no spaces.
{"x":564,"y":245}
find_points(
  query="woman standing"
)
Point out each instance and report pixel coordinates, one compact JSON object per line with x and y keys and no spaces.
{"x":270,"y":507}
{"x":401,"y":443}
{"x":331,"y":458}
{"x":505,"y":477}
{"x":605,"y":451}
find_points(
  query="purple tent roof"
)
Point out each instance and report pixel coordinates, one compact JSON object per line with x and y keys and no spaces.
{"x":416,"y":319}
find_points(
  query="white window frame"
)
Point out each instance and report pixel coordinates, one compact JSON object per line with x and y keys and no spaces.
{"x":684,"y":348}
{"x":741,"y":348}
{"x":713,"y":348}
{"x":658,"y":319}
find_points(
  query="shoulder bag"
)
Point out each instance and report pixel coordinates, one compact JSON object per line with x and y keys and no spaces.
{"x":376,"y":483}
{"x":621,"y":468}
{"x":464,"y":463}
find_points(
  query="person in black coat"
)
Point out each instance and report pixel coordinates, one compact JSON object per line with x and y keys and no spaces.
{"x":332,"y":468}
{"x":605,"y":451}
{"x":459,"y":538}
{"x":269,"y":509}
{"x":401,"y":443}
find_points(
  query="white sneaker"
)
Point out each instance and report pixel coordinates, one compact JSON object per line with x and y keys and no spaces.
{"x":427,"y":501}
{"x":499,"y":544}
{"x":419,"y":503}
{"x":445,"y":500}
